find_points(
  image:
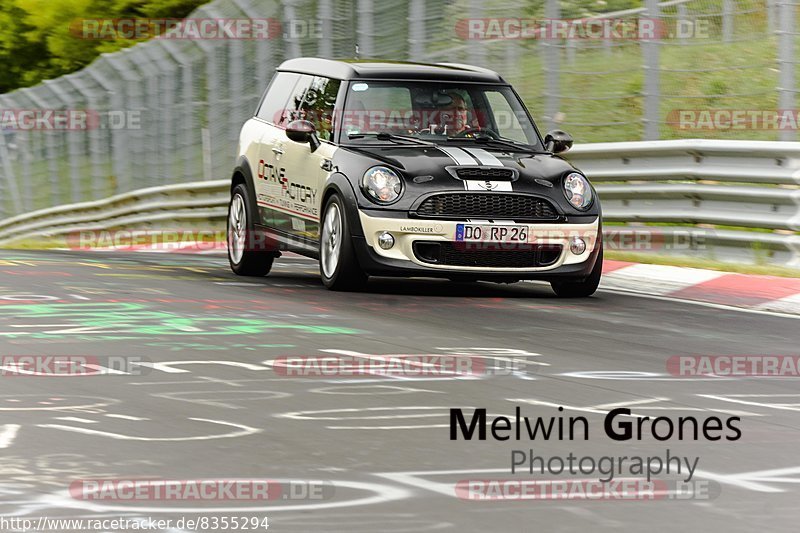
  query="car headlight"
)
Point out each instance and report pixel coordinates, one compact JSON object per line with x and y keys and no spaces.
{"x":382,"y":185}
{"x":577,"y":190}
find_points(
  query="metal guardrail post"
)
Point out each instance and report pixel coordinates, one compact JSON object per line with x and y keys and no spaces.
{"x":727,"y":20}
{"x":50,"y":148}
{"x":8,"y":175}
{"x":365,"y":28}
{"x":552,"y":60}
{"x":71,"y":139}
{"x":652,"y":81}
{"x":293,"y":48}
{"x":786,"y":59}
{"x":771,"y":15}
{"x":98,"y":153}
{"x":683,"y":15}
{"x":416,"y":30}
{"x":325,"y":18}
{"x":477,"y":48}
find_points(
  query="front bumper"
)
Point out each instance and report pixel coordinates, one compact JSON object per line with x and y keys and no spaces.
{"x":402,"y":260}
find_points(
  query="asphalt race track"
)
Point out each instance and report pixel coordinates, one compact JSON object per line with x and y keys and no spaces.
{"x":378,"y":445}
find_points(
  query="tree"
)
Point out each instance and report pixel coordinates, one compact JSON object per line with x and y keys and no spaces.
{"x":42,"y":39}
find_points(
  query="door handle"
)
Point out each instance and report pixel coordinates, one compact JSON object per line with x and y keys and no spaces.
{"x":277,"y":150}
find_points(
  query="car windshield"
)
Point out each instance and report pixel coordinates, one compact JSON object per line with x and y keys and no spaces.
{"x":436,"y":112}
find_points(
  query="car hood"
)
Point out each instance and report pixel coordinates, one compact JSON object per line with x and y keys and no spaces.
{"x":425,"y":171}
{"x":432,"y":161}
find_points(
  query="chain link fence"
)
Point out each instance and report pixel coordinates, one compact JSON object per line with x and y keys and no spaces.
{"x":169,"y":110}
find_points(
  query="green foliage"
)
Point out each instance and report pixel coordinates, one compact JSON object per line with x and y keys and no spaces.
{"x":41,"y":39}
{"x":571,"y":9}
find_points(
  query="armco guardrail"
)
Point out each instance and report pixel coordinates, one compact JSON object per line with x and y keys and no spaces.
{"x":740,"y":199}
{"x":153,"y":207}
{"x":729,"y":200}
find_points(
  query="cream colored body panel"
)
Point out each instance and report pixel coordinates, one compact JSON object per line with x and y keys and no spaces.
{"x":406,"y":231}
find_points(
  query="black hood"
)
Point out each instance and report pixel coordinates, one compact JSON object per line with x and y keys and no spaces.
{"x":428,"y":164}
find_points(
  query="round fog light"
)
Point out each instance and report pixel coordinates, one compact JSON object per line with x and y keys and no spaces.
{"x":577,"y":246}
{"x":385,"y":240}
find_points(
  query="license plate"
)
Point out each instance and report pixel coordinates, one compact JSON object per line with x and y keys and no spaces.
{"x":491,"y":233}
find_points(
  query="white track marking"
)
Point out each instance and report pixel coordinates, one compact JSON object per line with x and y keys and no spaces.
{"x":658,"y":279}
{"x":8,"y":435}
{"x":315,"y":415}
{"x":736,"y":398}
{"x":629,"y":375}
{"x":787,"y":304}
{"x":242,"y":432}
{"x":696,"y":302}
{"x":370,"y":390}
{"x":167,"y":366}
{"x":126,"y":417}
{"x":754,"y":481}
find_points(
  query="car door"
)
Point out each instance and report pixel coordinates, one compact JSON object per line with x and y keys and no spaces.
{"x":268,"y":170}
{"x":308,"y":170}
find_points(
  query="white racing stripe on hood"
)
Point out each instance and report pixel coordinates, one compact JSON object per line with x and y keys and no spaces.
{"x":486,"y":158}
{"x":459,"y":156}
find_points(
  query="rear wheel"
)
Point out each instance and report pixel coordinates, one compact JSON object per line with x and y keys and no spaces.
{"x":243,"y":258}
{"x":581,"y":289}
{"x":338,"y":265}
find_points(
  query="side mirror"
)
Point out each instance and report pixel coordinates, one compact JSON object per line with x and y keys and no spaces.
{"x":303,"y":131}
{"x":557,"y":141}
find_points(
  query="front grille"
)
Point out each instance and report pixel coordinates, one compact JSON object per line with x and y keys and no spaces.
{"x":487,"y":255}
{"x":487,"y":206}
{"x":491,"y":173}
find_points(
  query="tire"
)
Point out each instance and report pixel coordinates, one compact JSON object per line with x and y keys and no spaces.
{"x":243,"y":259}
{"x":584,"y":288}
{"x":338,"y":266}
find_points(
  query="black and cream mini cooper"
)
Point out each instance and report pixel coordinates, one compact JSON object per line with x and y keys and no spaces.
{"x":388,"y":168}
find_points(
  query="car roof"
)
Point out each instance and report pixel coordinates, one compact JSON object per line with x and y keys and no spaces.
{"x":354,"y":69}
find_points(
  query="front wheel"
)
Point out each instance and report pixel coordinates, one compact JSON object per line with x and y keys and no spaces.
{"x":581,"y":289}
{"x":338,"y":265}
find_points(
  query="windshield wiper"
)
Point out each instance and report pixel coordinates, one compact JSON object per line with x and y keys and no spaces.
{"x":500,"y":142}
{"x":384,"y":136}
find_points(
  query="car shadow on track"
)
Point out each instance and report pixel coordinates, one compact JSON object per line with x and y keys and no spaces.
{"x":428,"y":287}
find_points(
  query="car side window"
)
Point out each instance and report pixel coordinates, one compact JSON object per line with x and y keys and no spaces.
{"x":296,"y":98}
{"x":318,"y":104}
{"x":273,"y":105}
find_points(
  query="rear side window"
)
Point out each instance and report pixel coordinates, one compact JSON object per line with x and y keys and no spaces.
{"x":273,"y":107}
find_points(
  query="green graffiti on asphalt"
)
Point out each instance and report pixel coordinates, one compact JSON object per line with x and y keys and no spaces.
{"x":126,"y":320}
